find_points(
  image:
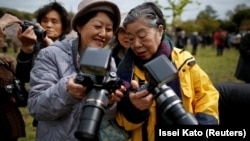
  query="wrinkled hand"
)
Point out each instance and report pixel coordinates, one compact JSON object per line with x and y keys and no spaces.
{"x":46,"y":41}
{"x":117,"y":95}
{"x":78,"y":91}
{"x":142,"y":100}
{"x":8,"y":59}
{"x":28,"y":39}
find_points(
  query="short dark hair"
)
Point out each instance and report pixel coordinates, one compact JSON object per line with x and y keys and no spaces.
{"x":149,"y":11}
{"x":64,"y":16}
{"x":87,"y":17}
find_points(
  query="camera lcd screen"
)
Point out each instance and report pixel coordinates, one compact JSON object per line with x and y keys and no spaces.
{"x":161,"y":70}
{"x":95,"y":61}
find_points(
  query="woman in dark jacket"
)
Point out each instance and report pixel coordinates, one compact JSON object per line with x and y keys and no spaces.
{"x":243,"y":67}
{"x":54,"y":19}
{"x":12,"y":124}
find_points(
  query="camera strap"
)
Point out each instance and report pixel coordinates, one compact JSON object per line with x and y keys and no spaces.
{"x":73,"y":45}
{"x":74,"y":54}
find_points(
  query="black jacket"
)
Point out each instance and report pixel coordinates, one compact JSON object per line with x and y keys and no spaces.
{"x":243,"y":66}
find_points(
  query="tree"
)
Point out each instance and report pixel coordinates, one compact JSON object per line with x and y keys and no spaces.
{"x":176,"y":7}
{"x":190,"y":26}
{"x":210,"y":11}
{"x":205,"y":22}
{"x":240,"y":7}
{"x":240,"y":16}
{"x":20,"y":14}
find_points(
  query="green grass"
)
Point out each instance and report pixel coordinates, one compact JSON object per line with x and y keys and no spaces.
{"x":219,"y":69}
{"x":30,"y":130}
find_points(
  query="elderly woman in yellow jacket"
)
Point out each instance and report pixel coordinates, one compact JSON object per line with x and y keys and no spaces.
{"x":138,"y":111}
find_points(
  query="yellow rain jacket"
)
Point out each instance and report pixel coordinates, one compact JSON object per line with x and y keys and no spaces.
{"x":199,"y":96}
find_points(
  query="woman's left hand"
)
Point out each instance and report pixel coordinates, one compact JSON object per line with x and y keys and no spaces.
{"x":117,"y":95}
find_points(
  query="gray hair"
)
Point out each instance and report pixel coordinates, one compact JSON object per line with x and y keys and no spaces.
{"x":149,"y":11}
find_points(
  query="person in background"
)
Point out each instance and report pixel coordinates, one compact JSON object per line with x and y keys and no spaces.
{"x":194,"y":42}
{"x":243,"y":66}
{"x":120,"y":43}
{"x":236,"y":40}
{"x":220,"y":37}
{"x":12,"y":125}
{"x":181,"y":38}
{"x":52,"y":18}
{"x":55,"y":21}
{"x":137,"y":111}
{"x":55,"y":99}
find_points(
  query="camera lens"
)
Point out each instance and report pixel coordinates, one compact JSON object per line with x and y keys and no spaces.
{"x":92,"y":113}
{"x":89,"y":123}
{"x":171,"y":106}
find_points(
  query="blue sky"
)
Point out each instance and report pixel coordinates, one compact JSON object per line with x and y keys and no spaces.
{"x":191,"y":11}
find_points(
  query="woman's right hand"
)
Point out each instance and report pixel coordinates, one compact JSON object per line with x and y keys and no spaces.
{"x":78,"y":91}
{"x":28,"y":39}
{"x":142,"y":100}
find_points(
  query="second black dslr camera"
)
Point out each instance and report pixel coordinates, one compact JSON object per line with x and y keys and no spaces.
{"x":100,"y":82}
{"x":14,"y":89}
{"x":40,"y":33}
{"x":167,"y":101}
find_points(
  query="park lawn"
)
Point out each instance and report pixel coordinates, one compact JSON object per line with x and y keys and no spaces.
{"x":219,"y":68}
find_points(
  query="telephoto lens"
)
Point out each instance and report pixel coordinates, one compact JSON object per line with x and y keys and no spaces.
{"x":101,"y":82}
{"x":171,"y":107}
{"x":93,"y":110}
{"x":167,"y":101}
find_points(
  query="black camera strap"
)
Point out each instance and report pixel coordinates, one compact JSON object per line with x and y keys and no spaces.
{"x":74,"y":51}
{"x":74,"y":54}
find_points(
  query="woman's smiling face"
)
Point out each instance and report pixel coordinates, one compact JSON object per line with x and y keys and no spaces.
{"x":97,"y":32}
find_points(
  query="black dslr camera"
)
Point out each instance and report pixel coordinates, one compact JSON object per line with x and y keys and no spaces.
{"x":14,"y":89}
{"x":100,"y":82}
{"x":40,"y":33}
{"x":168,"y":102}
